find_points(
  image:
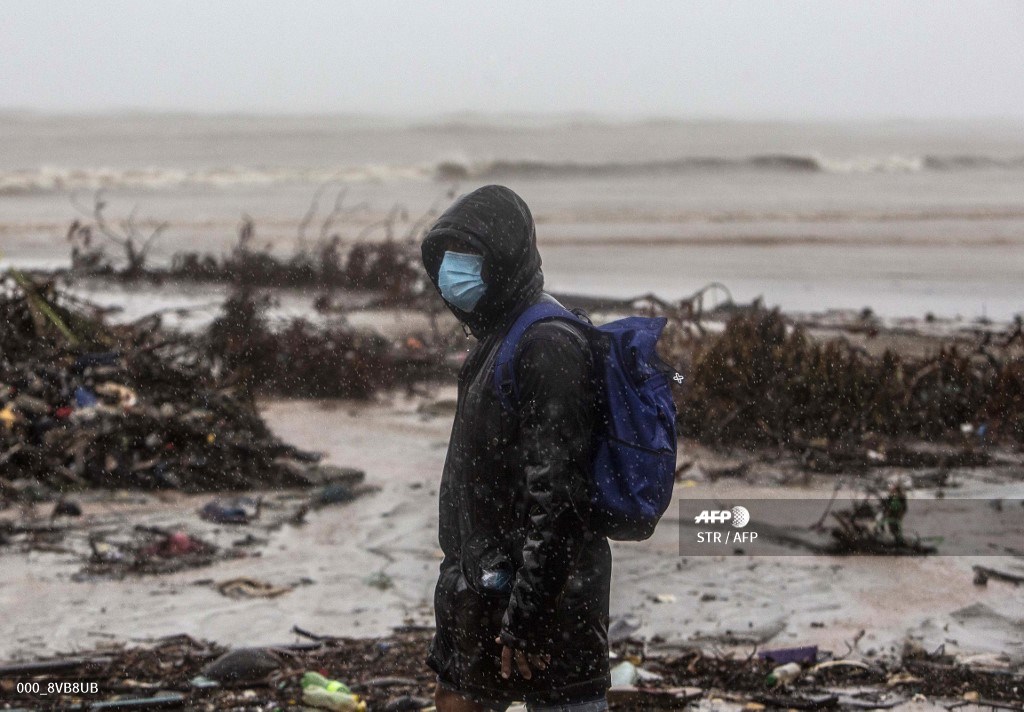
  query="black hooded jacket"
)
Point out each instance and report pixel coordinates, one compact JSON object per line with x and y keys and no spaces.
{"x":514,"y":496}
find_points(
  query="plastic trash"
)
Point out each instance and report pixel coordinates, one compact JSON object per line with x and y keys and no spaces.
{"x":242,"y":665}
{"x":335,"y":493}
{"x":8,"y":417}
{"x":324,"y":699}
{"x":124,"y":395}
{"x":806,"y":655}
{"x":407,"y":703}
{"x":84,"y":398}
{"x":30,"y":405}
{"x":173,"y":545}
{"x":322,"y":693}
{"x":624,"y":674}
{"x":236,"y":511}
{"x":66,"y":508}
{"x":783,"y":675}
{"x":317,"y":680}
{"x":202,"y":682}
{"x":108,"y":358}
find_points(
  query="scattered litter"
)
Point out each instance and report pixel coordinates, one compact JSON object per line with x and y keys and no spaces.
{"x":799,"y":702}
{"x":322,"y":693}
{"x":782,"y":675}
{"x":150,"y":412}
{"x":379,"y":580}
{"x":828,"y":664}
{"x":644,"y":698}
{"x":243,"y":665}
{"x":241,"y":510}
{"x":687,"y":674}
{"x":408,"y":703}
{"x":983,"y":573}
{"x":807,"y":655}
{"x":902,"y":678}
{"x":244,"y":587}
{"x":624,"y":674}
{"x":151,"y":550}
{"x":66,"y":508}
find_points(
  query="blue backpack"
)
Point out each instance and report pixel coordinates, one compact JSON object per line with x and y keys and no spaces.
{"x":633,"y":458}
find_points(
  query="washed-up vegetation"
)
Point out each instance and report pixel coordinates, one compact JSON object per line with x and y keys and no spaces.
{"x":120,"y":250}
{"x":763,"y":381}
{"x":87,"y":404}
{"x":388,"y":674}
{"x":84,"y":403}
{"x":299,"y":359}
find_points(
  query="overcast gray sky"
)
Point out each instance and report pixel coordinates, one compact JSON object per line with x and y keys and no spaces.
{"x":814,"y":59}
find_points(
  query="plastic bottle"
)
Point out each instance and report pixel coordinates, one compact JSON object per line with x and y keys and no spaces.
{"x":783,"y":674}
{"x":323,"y":698}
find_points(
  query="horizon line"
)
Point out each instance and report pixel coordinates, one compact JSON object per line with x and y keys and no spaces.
{"x":500,"y":117}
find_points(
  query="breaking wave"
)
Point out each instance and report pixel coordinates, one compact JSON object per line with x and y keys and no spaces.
{"x":54,"y":179}
{"x":768,"y":163}
{"x":50,"y":179}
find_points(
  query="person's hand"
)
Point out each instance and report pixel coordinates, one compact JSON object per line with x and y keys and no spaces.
{"x":524,"y":662}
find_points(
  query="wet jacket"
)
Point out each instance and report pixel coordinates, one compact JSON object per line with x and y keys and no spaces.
{"x":520,"y":559}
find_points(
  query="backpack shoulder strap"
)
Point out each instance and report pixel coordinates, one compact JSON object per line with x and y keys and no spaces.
{"x":504,"y":377}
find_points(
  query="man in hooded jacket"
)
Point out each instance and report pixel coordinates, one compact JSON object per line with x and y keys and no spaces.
{"x":521,"y":602}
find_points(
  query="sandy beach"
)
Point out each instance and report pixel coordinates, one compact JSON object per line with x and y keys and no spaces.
{"x":716,"y":602}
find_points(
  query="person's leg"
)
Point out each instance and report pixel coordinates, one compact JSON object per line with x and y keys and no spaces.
{"x":451,"y":701}
{"x":448,"y":699}
{"x":598,"y":705}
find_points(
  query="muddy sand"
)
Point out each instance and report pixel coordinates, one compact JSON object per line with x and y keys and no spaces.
{"x":364,"y":567}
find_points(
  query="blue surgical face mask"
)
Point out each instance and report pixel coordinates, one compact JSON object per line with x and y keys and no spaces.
{"x":459,"y":279}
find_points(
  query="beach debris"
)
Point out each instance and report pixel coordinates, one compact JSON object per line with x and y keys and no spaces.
{"x":298,"y":358}
{"x":390,"y":265}
{"x":240,"y":510}
{"x":66,"y":508}
{"x":664,"y":598}
{"x":624,"y":674}
{"x":174,"y":544}
{"x":764,"y":380}
{"x":334,"y":493}
{"x":806,"y":655}
{"x":873,"y":525}
{"x":407,"y":703}
{"x":322,"y":693}
{"x":85,"y":404}
{"x":799,"y":702}
{"x":782,"y":675}
{"x":379,"y":580}
{"x":902,"y":678}
{"x":243,"y":665}
{"x":983,"y":573}
{"x":166,"y":700}
{"x":686,"y":674}
{"x":245,"y":587}
{"x":150,"y":550}
{"x":844,"y":663}
{"x":630,"y":697}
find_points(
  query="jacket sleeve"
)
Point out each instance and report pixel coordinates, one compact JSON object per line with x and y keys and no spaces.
{"x":557,"y":410}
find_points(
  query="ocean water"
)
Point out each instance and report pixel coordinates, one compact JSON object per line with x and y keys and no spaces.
{"x":907,"y":218}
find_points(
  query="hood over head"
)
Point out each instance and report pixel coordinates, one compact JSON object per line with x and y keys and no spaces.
{"x":496,"y":222}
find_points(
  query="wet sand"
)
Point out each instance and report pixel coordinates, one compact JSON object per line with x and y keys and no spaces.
{"x":719,"y":601}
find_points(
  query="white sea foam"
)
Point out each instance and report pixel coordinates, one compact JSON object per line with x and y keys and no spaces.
{"x":45,"y":179}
